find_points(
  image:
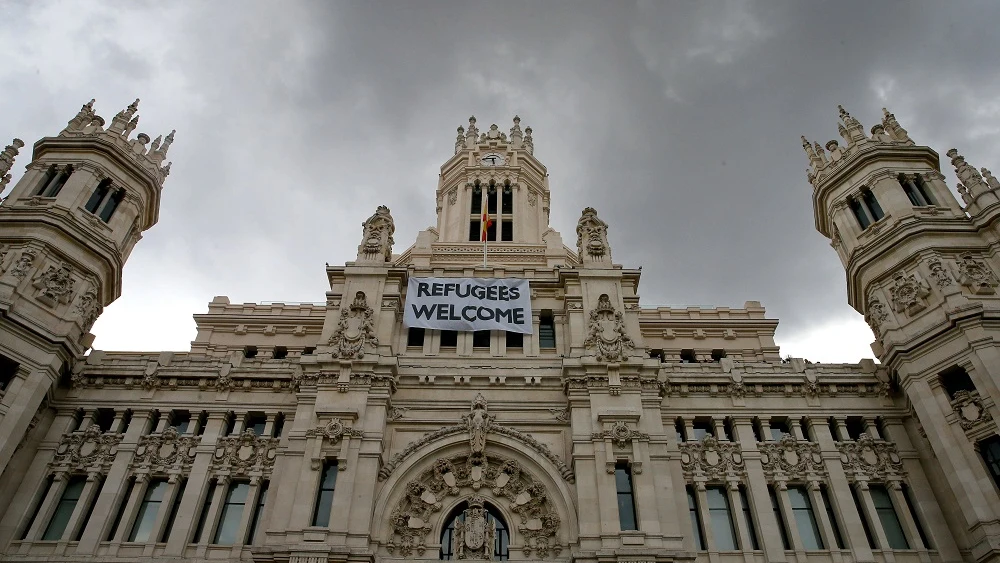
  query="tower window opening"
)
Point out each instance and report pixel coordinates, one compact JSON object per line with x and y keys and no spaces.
{"x":507,"y":201}
{"x":477,"y":200}
{"x":105,"y":419}
{"x":855,"y":427}
{"x":922,"y":187}
{"x":702,"y":427}
{"x":912,"y":194}
{"x":60,"y":181}
{"x":100,"y":192}
{"x":280,"y":353}
{"x":688,"y":357}
{"x":491,"y":231}
{"x":859,"y":213}
{"x":956,"y":379}
{"x":515,"y":340}
{"x":872,"y":204}
{"x":718,"y":354}
{"x":8,"y":370}
{"x":475,"y":232}
{"x":546,"y":330}
{"x":113,"y":201}
{"x":415,"y":337}
{"x":481,"y":339}
{"x":449,"y":338}
{"x":50,"y":175}
{"x":250,"y":352}
{"x":491,"y":203}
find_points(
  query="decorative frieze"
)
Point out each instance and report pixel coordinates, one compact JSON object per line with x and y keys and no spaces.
{"x":791,"y":459}
{"x":870,"y":459}
{"x":246,"y":453}
{"x":168,"y":450}
{"x":87,"y":450}
{"x":712,"y":459}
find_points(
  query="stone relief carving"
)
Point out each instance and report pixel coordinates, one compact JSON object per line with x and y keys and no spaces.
{"x":377,"y":233}
{"x":88,"y":449}
{"x":940,"y":275}
{"x":970,"y":410}
{"x":396,"y":413}
{"x":876,"y":315}
{"x":870,"y":459}
{"x":478,"y":422}
{"x":562,"y":415}
{"x":789,"y":458}
{"x":355,"y":330}
{"x":334,"y":431}
{"x":976,"y":275}
{"x":606,"y":332}
{"x":55,"y":285}
{"x":908,"y":293}
{"x":620,"y":434}
{"x":24,"y":263}
{"x":712,"y":459}
{"x":239,"y":455}
{"x":167,"y":450}
{"x":475,"y":534}
{"x":591,"y":235}
{"x":89,"y":307}
{"x":511,"y":486}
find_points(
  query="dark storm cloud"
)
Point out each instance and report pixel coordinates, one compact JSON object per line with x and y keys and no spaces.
{"x":678,"y":121}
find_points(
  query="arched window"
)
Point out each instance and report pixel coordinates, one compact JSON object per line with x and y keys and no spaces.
{"x":501,"y":541}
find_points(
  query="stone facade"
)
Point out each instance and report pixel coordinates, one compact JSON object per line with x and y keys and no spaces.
{"x":323,"y":432}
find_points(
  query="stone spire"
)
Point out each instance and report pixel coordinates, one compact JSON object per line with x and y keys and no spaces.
{"x":967,"y":174}
{"x":851,"y":130}
{"x":472,"y":134}
{"x":515,"y":133}
{"x":121,"y":119}
{"x":7,"y":161}
{"x":528,"y":143}
{"x":811,"y":153}
{"x":82,"y":118}
{"x":460,"y":140}
{"x":157,"y":151}
{"x":893,"y":128}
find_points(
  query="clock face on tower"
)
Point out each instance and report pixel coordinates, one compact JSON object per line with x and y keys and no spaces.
{"x":493,"y":159}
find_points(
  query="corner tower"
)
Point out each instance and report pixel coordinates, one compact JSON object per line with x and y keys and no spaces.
{"x":922,"y":269}
{"x":66,"y":229}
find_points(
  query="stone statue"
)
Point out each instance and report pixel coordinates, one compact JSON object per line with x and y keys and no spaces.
{"x":592,"y":237}
{"x":478,"y":422}
{"x":377,"y":231}
{"x":606,"y":332}
{"x":355,"y":329}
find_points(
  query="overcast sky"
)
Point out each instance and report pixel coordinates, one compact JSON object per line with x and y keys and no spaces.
{"x":678,"y":121}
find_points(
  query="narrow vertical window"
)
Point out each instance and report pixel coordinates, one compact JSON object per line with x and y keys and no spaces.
{"x":491,"y":203}
{"x":112,"y":204}
{"x":872,"y":204}
{"x":279,"y":425}
{"x":626,"y":501}
{"x":491,"y":230}
{"x":546,"y":330}
{"x":922,"y":187}
{"x":778,"y":517}
{"x":205,"y":508}
{"x":859,"y":213}
{"x":805,"y":519}
{"x":324,"y":497}
{"x":174,"y":507}
{"x":887,"y":516}
{"x":67,"y":503}
{"x":721,"y":517}
{"x":477,"y":200}
{"x":50,"y":175}
{"x":699,"y":537}
{"x":475,"y":230}
{"x":989,"y":450}
{"x":8,"y":370}
{"x":515,"y":340}
{"x":100,"y":192}
{"x":910,"y":191}
{"x":90,"y":512}
{"x":506,"y":230}
{"x":257,"y":512}
{"x":415,"y":337}
{"x":120,"y":513}
{"x":833,"y":517}
{"x":679,"y":428}
{"x":256,"y":422}
{"x":507,"y":204}
{"x":148,"y":510}
{"x":748,"y":516}
{"x":232,"y":513}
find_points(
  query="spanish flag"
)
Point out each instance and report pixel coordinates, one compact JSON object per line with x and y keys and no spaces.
{"x":485,"y":222}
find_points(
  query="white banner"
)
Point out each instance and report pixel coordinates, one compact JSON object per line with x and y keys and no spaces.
{"x":468,"y":304}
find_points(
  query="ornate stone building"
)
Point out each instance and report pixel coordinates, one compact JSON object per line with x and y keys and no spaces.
{"x":310,"y":433}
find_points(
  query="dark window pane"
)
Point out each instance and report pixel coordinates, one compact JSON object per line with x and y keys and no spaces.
{"x":258,"y":511}
{"x":415,"y":337}
{"x":699,"y":539}
{"x":805,"y":520}
{"x":506,"y":230}
{"x":148,"y":509}
{"x":257,"y":422}
{"x":507,"y":206}
{"x":515,"y":340}
{"x":98,"y":196}
{"x":324,"y":498}
{"x":474,"y":233}
{"x":232,"y":514}
{"x":748,"y":516}
{"x":477,"y":201}
{"x":546,"y":330}
{"x":481,"y":339}
{"x":203,"y":517}
{"x":859,"y":213}
{"x":449,"y":338}
{"x":872,"y":204}
{"x":626,"y":503}
{"x":64,"y":509}
{"x":173,"y":510}
{"x":491,"y":231}
{"x":887,"y":515}
{"x":721,"y":518}
{"x":492,"y":203}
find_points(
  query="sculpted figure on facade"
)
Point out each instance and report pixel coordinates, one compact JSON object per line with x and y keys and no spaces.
{"x":592,"y":237}
{"x":24,"y":263}
{"x":55,"y":285}
{"x":355,"y":330}
{"x":976,"y":275}
{"x":606,"y":332}
{"x":377,"y":231}
{"x":89,"y":308}
{"x":908,"y":293}
{"x":479,"y":422}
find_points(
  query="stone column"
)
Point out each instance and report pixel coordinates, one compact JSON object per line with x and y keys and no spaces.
{"x":129,"y":512}
{"x":906,"y":519}
{"x":22,"y":399}
{"x":703,"y":514}
{"x":736,"y":506}
{"x":80,"y":510}
{"x":59,"y":481}
{"x":214,"y":513}
{"x":796,"y":429}
{"x":770,"y":533}
{"x":874,"y":523}
{"x":173,"y":486}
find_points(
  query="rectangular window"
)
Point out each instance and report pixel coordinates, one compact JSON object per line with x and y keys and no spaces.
{"x":474,"y":231}
{"x":250,"y":352}
{"x":872,"y":204}
{"x":778,"y":517}
{"x":120,"y":513}
{"x":105,"y":419}
{"x":626,"y":502}
{"x":506,"y":230}
{"x":172,"y":516}
{"x":688,"y":357}
{"x":280,"y":353}
{"x":415,"y":337}
{"x":324,"y":497}
{"x":699,"y":537}
{"x":449,"y":338}
{"x":955,"y":379}
{"x":491,"y":203}
{"x":98,"y":196}
{"x":507,"y":205}
{"x":718,"y":354}
{"x":721,"y":518}
{"x":805,"y":519}
{"x":205,"y":508}
{"x":748,"y":516}
{"x":546,"y":330}
{"x":515,"y":340}
{"x":911,"y":193}
{"x":232,"y":513}
{"x":702,"y":427}
{"x":491,"y":231}
{"x":859,"y":213}
{"x":112,"y":204}
{"x":181,"y":420}
{"x":256,"y":422}
{"x":833,"y":518}
{"x":887,"y":516}
{"x":481,"y":339}
{"x":148,"y":509}
{"x":989,"y":449}
{"x":855,"y":427}
{"x":778,"y":428}
{"x":477,"y":201}
{"x":67,"y":503}
{"x":257,"y":512}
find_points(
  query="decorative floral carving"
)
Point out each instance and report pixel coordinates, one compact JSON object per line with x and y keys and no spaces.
{"x":968,"y":405}
{"x":396,"y":413}
{"x":591,"y":236}
{"x":334,"y":431}
{"x":876,"y":315}
{"x":245,"y":453}
{"x":88,"y":449}
{"x":89,"y":308}
{"x":606,"y":332}
{"x":166,"y":450}
{"x":355,"y":329}
{"x":712,"y":459}
{"x":562,"y":415}
{"x":870,"y":458}
{"x":24,"y":263}
{"x":976,"y":275}
{"x":620,"y":434}
{"x":737,"y":390}
{"x":377,"y":231}
{"x":939,"y":273}
{"x":789,"y":458}
{"x":55,"y":285}
{"x":908,"y":293}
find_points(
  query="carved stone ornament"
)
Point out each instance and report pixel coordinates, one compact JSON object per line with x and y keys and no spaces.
{"x":620,"y":434}
{"x":970,"y":410}
{"x":591,"y":236}
{"x":562,"y":415}
{"x":475,"y":534}
{"x":942,"y":278}
{"x":876,"y":315}
{"x":606,"y":333}
{"x":55,"y":285}
{"x":239,"y":455}
{"x":24,"y":263}
{"x":908,"y":293}
{"x":167,"y":450}
{"x":334,"y":431}
{"x":477,"y":423}
{"x":870,"y":459}
{"x":89,"y":307}
{"x":396,"y":413}
{"x":789,"y":458}
{"x":377,"y":231}
{"x":976,"y":275}
{"x":512,"y":487}
{"x":712,"y":459}
{"x":88,"y":449}
{"x":355,"y":329}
